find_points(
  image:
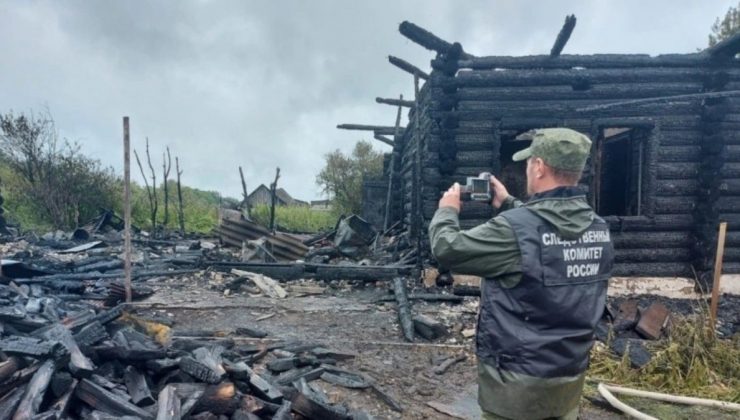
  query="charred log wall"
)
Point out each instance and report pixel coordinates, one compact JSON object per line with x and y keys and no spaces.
{"x":691,"y":175}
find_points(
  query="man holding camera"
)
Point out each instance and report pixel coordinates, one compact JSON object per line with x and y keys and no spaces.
{"x":545,"y":265}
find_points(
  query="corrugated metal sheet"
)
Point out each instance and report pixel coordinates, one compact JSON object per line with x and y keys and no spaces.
{"x":234,"y":230}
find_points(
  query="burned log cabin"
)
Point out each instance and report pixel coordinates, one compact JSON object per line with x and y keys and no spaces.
{"x":665,"y":162}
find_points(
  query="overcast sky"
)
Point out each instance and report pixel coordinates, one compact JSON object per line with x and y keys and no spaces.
{"x":264,"y":83}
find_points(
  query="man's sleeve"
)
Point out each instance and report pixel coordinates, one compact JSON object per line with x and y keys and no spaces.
{"x":488,"y":250}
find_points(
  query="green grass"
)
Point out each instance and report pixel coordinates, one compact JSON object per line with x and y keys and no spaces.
{"x":691,"y":362}
{"x":295,"y":219}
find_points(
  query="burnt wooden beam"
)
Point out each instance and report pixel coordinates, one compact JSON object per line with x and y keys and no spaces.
{"x":404,"y":308}
{"x":283,"y":413}
{"x":101,"y":399}
{"x":35,"y":391}
{"x":395,"y":102}
{"x":218,"y":399}
{"x":563,"y":36}
{"x":168,"y":404}
{"x":662,"y":99}
{"x":137,"y":387}
{"x":378,"y":129}
{"x":442,"y":367}
{"x":726,"y":48}
{"x":383,"y":139}
{"x":408,"y":67}
{"x":310,"y":405}
{"x":588,"y":61}
{"x":79,"y":364}
{"x":58,"y":409}
{"x":9,"y":402}
{"x":426,"y":39}
{"x":10,"y":367}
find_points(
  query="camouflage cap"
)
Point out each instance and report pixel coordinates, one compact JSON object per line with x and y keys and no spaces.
{"x":560,"y":148}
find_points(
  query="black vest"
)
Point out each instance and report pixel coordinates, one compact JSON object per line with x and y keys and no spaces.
{"x":544,"y":326}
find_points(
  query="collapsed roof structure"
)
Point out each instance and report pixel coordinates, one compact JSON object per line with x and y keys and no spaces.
{"x":665,"y":162}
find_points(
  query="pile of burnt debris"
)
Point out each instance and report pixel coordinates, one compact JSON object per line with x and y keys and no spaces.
{"x":69,"y":348}
{"x":72,"y":359}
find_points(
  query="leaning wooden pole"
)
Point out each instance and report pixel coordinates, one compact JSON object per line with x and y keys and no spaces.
{"x":127,"y":208}
{"x":717,"y":273}
{"x":404,"y":308}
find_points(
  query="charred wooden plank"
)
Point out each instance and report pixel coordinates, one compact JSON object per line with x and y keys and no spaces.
{"x":466,"y":290}
{"x":345,"y":379}
{"x":258,"y":406}
{"x":282,"y":364}
{"x":446,"y":364}
{"x":9,"y":313}
{"x":404,"y":308}
{"x":79,"y":364}
{"x":324,"y":353}
{"x":283,"y":412}
{"x":91,"y":334}
{"x":29,"y":346}
{"x":189,"y":394}
{"x":9,"y":367}
{"x":199,"y":370}
{"x":59,"y":408}
{"x":109,"y":315}
{"x":9,"y":402}
{"x":137,"y":387}
{"x":159,"y":366}
{"x":35,"y":391}
{"x":101,"y":399}
{"x":61,"y":383}
{"x":218,"y":399}
{"x":263,"y":389}
{"x":428,"y":327}
{"x":308,"y":374}
{"x":429,"y":297}
{"x":251,"y":332}
{"x":168,"y":407}
{"x":306,"y":403}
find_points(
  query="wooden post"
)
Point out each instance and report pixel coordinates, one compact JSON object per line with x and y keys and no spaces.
{"x":273,"y":199}
{"x":127,"y":207}
{"x":391,"y":170}
{"x":717,"y":273}
{"x":245,"y":195}
{"x":180,"y":212}
{"x":417,"y":196}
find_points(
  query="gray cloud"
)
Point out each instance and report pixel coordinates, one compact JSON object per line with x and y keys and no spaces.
{"x":263,"y":83}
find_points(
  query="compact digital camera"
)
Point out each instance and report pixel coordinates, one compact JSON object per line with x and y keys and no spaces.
{"x":477,"y":188}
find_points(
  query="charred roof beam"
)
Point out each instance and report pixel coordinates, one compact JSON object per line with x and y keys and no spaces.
{"x":563,"y":36}
{"x":408,"y":67}
{"x":428,"y":40}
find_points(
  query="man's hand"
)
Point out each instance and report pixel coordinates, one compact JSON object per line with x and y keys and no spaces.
{"x":500,"y":192}
{"x":451,"y":198}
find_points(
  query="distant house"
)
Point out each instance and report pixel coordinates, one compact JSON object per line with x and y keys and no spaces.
{"x":321,"y":205}
{"x":261,"y":196}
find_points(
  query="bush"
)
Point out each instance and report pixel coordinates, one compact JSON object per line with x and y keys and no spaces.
{"x":51,"y":181}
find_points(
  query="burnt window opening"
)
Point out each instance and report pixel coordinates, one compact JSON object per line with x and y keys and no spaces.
{"x":513,"y":174}
{"x":619,"y":171}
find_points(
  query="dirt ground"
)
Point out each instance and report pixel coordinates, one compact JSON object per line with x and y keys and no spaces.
{"x":348,"y":318}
